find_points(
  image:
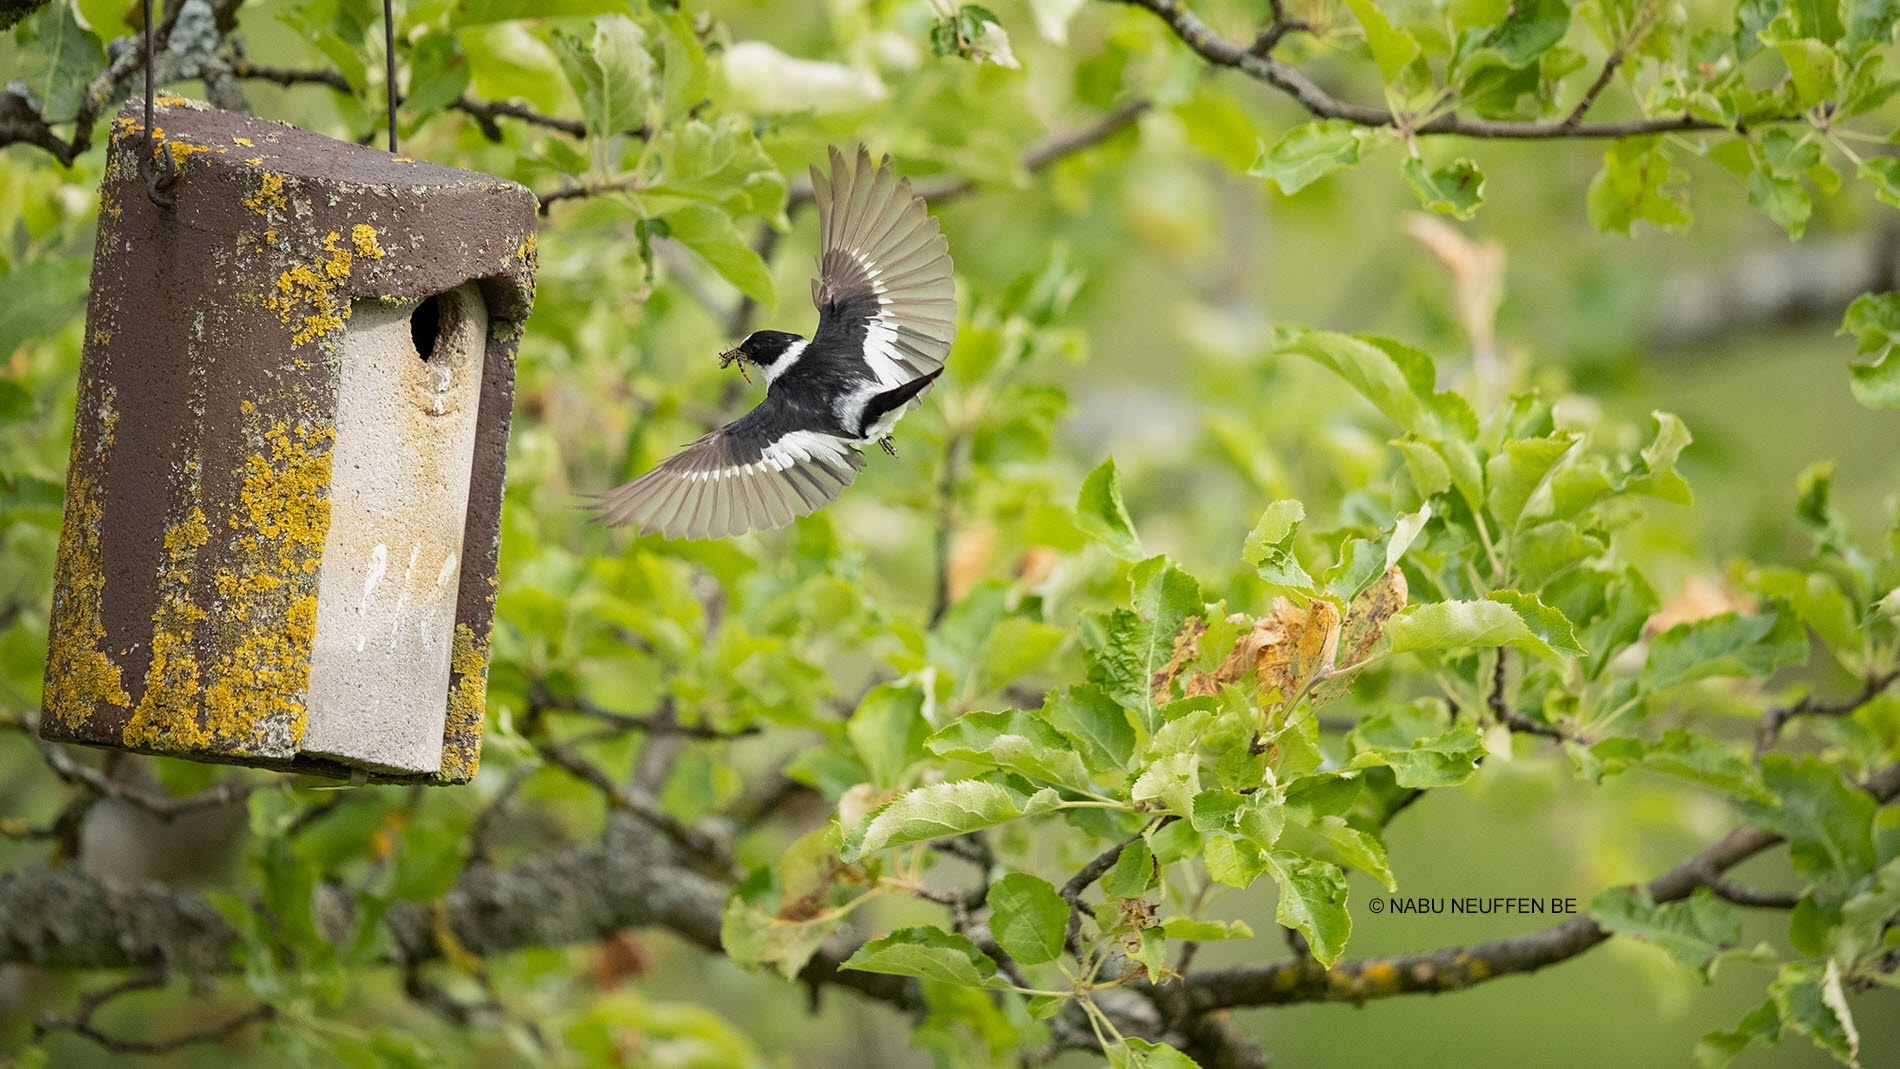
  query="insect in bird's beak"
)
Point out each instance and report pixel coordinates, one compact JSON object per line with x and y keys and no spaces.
{"x":734,"y":356}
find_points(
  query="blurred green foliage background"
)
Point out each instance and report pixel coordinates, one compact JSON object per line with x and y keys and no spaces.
{"x":1118,"y":301}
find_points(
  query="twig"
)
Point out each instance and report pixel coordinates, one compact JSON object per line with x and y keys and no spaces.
{"x":1743,"y":895}
{"x":947,"y":475}
{"x":162,"y":806}
{"x":1774,"y":720}
{"x":707,"y":848}
{"x":1575,"y":118}
{"x":1295,"y":83}
{"x":484,"y":112}
{"x":80,"y":1023}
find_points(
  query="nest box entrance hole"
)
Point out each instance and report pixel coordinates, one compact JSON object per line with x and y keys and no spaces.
{"x":425,"y":326}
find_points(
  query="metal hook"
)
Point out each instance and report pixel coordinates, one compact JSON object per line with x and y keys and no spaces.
{"x":158,"y":179}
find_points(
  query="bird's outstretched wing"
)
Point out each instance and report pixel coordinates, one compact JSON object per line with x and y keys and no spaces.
{"x":763,"y":470}
{"x":883,"y":287}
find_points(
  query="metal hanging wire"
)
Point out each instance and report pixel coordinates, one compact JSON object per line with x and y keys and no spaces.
{"x":389,"y":68}
{"x":158,"y":179}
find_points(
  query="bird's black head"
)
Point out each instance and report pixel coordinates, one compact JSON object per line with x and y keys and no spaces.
{"x":762,"y":347}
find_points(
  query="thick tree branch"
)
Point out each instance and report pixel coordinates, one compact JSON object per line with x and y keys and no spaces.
{"x":1262,"y":67}
{"x":1456,"y":967}
{"x":62,"y":919}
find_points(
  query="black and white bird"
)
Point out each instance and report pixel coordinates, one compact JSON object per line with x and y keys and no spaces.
{"x":886,"y":317}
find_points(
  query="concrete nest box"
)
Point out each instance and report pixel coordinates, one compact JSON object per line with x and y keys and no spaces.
{"x":283,"y":506}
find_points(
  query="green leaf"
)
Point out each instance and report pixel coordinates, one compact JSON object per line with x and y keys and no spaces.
{"x":480,"y":12}
{"x":1200,"y":931}
{"x":1517,"y":475}
{"x":1234,"y":862}
{"x":928,"y":953}
{"x":1391,"y":48}
{"x":1760,"y":1025}
{"x":943,"y":809}
{"x":1870,"y":22}
{"x":56,"y":57}
{"x":1308,"y":153}
{"x":1135,"y":1053}
{"x":1414,"y":743}
{"x":1028,"y":920}
{"x":1531,"y":28}
{"x":612,"y":74}
{"x":1812,"y":1001}
{"x":1829,"y":824}
{"x":1507,"y":618}
{"x":711,"y":234}
{"x":1099,"y":723}
{"x":1100,"y":514}
{"x":1784,"y":200}
{"x":1399,"y":380}
{"x":1133,"y":873}
{"x":1728,"y":644}
{"x":1455,"y":190}
{"x":1692,"y":931}
{"x":1137,"y":644}
{"x":1685,"y":755}
{"x":888,"y":731}
{"x":1312,"y":900}
{"x":1655,"y":474}
{"x":1015,"y":740}
{"x":1637,"y":184}
{"x":1173,"y":780}
{"x":438,"y":74}
{"x":1874,"y":319}
{"x":1270,"y":548}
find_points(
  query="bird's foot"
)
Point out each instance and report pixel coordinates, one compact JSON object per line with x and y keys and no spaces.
{"x":888,"y":447}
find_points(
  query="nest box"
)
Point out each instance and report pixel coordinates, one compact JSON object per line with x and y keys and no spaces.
{"x":283,"y":506}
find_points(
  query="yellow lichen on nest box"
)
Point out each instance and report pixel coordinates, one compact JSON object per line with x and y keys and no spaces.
{"x":462,"y":734}
{"x":256,"y":693}
{"x":167,"y":710}
{"x":81,"y":676}
{"x":363,"y":236}
{"x":306,"y":299}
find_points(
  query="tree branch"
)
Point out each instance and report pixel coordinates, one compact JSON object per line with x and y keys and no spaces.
{"x":1456,"y":967}
{"x":64,"y":919}
{"x":1261,"y":67}
{"x":80,"y":1023}
{"x":1774,"y":720}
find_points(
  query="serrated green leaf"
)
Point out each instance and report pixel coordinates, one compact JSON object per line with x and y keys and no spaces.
{"x":1308,"y":153}
{"x":1728,"y":644}
{"x":1637,"y":184}
{"x":1100,"y":513}
{"x":1015,"y":740}
{"x":1828,"y":823}
{"x":1028,"y":920}
{"x":888,"y":731}
{"x":1133,"y":873}
{"x":711,"y":234}
{"x":1685,"y":755}
{"x":928,"y":953}
{"x":1518,"y":474}
{"x":943,"y":809}
{"x":1455,"y":189}
{"x":1136,"y":644}
{"x":1500,"y":620}
{"x":612,"y":74}
{"x":1391,"y":48}
{"x":1692,"y":931}
{"x":1312,"y":900}
{"x":1811,"y":1001}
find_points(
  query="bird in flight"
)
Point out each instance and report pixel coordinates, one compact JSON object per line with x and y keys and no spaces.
{"x":886,"y":317}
